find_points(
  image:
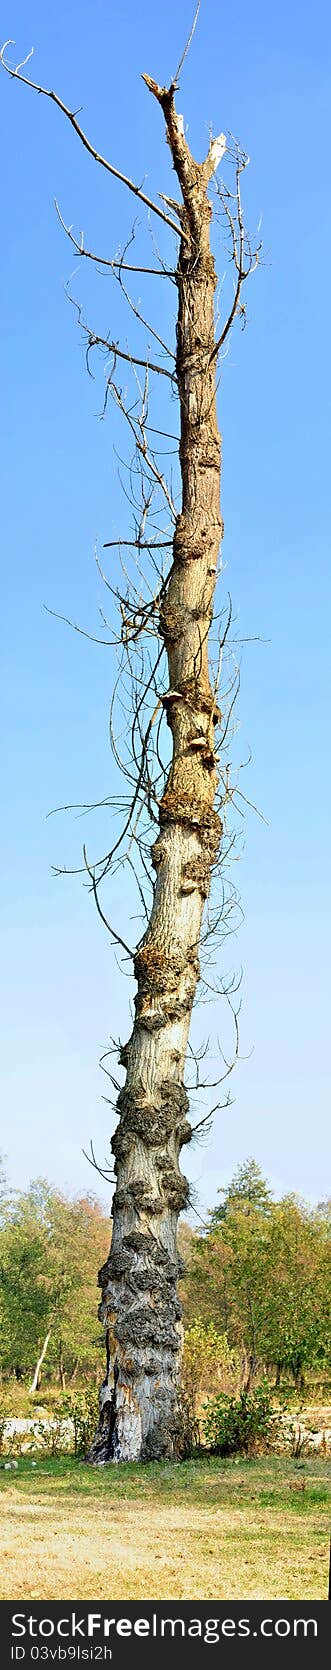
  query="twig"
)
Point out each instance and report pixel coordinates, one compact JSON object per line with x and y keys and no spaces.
{"x":187,"y":46}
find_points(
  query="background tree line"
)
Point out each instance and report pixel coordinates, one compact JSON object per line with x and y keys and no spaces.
{"x":262,"y":1274}
{"x":257,"y":1290}
{"x":50,"y":1250}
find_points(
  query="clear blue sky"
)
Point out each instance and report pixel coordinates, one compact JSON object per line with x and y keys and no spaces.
{"x":264,"y":72}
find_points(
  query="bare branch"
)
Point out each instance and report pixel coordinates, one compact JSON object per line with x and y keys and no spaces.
{"x":107,"y":1173}
{"x":102,"y":261}
{"x":107,"y":924}
{"x":141,"y":544}
{"x":106,"y":642}
{"x":245,"y":259}
{"x":135,"y":309}
{"x":175,"y":79}
{"x":72,"y":118}
{"x":137,"y":428}
{"x":95,"y":341}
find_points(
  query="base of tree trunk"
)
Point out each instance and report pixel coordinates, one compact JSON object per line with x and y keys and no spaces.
{"x":139,"y":1425}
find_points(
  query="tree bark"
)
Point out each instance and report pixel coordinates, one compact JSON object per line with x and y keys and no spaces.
{"x":140,"y":1308}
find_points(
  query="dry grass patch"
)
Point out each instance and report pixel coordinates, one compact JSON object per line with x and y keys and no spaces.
{"x":207,"y":1529}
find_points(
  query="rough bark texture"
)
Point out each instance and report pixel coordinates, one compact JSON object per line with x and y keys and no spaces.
{"x":140,"y":1306}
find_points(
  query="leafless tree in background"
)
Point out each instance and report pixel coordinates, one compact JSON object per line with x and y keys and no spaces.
{"x":177,"y":673}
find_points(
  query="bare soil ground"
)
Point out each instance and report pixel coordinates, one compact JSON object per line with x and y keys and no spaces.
{"x":206,"y":1529}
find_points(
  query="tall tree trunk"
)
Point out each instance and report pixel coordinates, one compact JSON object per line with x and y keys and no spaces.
{"x":35,"y":1383}
{"x":249,"y":1371}
{"x":62,"y":1377}
{"x":298,"y":1373}
{"x":140,"y":1307}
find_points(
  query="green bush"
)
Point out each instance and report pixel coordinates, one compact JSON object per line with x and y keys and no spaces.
{"x":72,"y":1426}
{"x":82,"y":1408}
{"x":238,"y":1424}
{"x":68,"y":1430}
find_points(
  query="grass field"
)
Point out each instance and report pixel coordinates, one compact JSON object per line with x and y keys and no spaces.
{"x":205,"y":1529}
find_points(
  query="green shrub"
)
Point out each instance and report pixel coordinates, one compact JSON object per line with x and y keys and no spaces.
{"x":82,"y":1408}
{"x":72,"y":1426}
{"x":238,"y":1424}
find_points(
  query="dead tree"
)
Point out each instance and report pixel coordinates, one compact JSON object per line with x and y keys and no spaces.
{"x":185,"y":791}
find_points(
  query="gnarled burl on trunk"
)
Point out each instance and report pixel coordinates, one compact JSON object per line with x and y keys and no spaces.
{"x":140,"y":1306}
